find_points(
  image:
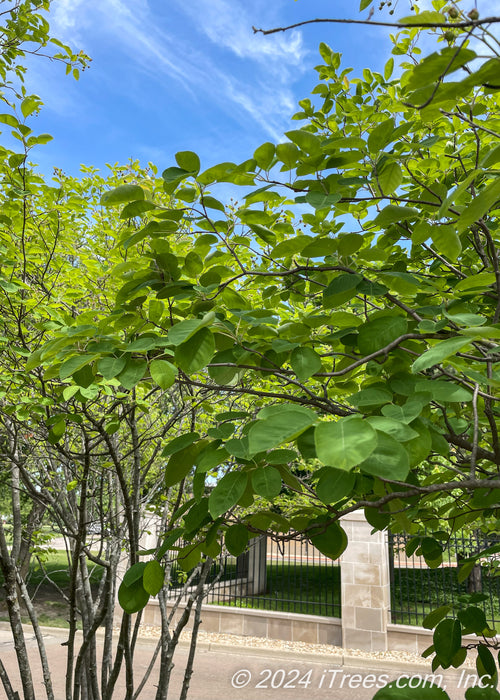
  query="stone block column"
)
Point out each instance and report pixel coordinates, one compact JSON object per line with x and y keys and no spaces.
{"x":365,"y":586}
{"x":257,"y":566}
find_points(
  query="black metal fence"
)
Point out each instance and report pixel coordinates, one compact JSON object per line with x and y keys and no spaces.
{"x":290,"y":577}
{"x":417,"y":589}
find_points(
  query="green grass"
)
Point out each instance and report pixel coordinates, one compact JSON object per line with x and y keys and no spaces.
{"x":306,"y":589}
{"x":56,"y":569}
{"x":416,"y":592}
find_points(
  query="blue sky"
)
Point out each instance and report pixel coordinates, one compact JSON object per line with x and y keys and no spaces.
{"x":172,"y":75}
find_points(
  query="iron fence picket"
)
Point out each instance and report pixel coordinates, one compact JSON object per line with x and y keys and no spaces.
{"x":416,"y":588}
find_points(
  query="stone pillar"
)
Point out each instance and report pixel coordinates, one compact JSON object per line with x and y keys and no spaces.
{"x":365,"y":586}
{"x":257,"y":566}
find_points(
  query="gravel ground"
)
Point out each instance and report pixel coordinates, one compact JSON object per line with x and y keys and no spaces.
{"x":234,"y":640}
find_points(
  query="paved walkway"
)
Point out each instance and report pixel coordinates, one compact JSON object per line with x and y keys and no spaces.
{"x":245,"y":673}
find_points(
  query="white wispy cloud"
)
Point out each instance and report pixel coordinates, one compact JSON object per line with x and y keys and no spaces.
{"x":254,"y":84}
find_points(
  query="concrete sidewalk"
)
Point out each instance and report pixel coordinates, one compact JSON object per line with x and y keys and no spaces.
{"x":244,"y":673}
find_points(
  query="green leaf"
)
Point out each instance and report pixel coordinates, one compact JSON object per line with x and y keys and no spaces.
{"x":305,"y":362}
{"x":433,"y":66}
{"x":282,"y":426}
{"x":392,"y":214}
{"x":446,"y":241}
{"x":445,"y":391}
{"x":320,"y":200}
{"x":188,"y":161}
{"x":473,"y":619}
{"x":236,"y":539}
{"x":480,"y":206}
{"x":70,"y":391}
{"x":181,"y":462}
{"x":381,"y":136}
{"x":334,"y":484}
{"x":332,"y":542}
{"x":389,"y":460}
{"x":174,"y":175}
{"x":179,"y":443}
{"x":153,"y":577}
{"x":341,"y":289}
{"x":482,"y":280}
{"x":266,"y":482}
{"x":184,"y":330}
{"x":345,"y":443}
{"x":73,"y":364}
{"x":305,"y":140}
{"x":163,"y":373}
{"x":377,"y":334}
{"x":288,"y":154}
{"x":132,"y":598}
{"x":389,"y":67}
{"x":364,"y":4}
{"x":370,"y":397}
{"x":264,"y":233}
{"x":478,"y":693}
{"x":10,"y":120}
{"x":29,"y":105}
{"x":197,"y":352}
{"x":439,"y":352}
{"x":189,"y":556}
{"x":122,"y":194}
{"x":395,"y":428}
{"x":434,"y":617}
{"x":133,"y":209}
{"x":133,"y":373}
{"x":389,"y":177}
{"x":447,"y":640}
{"x":227,"y":493}
{"x":264,"y":155}
{"x":424,"y":17}
{"x":486,"y":664}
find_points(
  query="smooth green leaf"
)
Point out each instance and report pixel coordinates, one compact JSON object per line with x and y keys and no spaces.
{"x":227,"y":493}
{"x":439,"y":352}
{"x":163,"y":373}
{"x":264,"y":155}
{"x":188,"y":161}
{"x":133,"y":373}
{"x":446,"y":241}
{"x":341,"y":289}
{"x":153,"y":577}
{"x":389,"y":460}
{"x":345,"y":443}
{"x":377,"y":334}
{"x":447,"y":640}
{"x":195,"y":353}
{"x":332,"y":542}
{"x":132,"y":598}
{"x":122,"y":194}
{"x":334,"y":484}
{"x":305,"y":362}
{"x":282,"y":426}
{"x":236,"y":539}
{"x":73,"y":364}
{"x":179,"y":443}
{"x":432,"y":619}
{"x":480,"y":206}
{"x":266,"y":482}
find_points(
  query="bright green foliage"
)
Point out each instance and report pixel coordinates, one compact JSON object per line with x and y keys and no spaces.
{"x":346,"y":312}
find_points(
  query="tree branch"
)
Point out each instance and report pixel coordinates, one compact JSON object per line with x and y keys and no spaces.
{"x":469,"y":24}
